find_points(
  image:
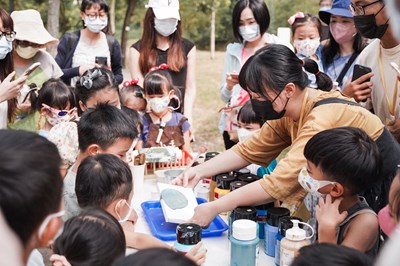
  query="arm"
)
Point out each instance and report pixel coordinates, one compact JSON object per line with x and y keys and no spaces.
{"x":187,"y":139}
{"x":116,"y":62}
{"x":62,"y":60}
{"x":143,"y":241}
{"x":190,"y":88}
{"x":226,"y":91}
{"x":10,"y":89}
{"x":134,"y":68}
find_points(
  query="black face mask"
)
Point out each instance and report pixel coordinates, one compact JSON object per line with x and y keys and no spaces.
{"x":366,"y":26}
{"x":265,"y":111}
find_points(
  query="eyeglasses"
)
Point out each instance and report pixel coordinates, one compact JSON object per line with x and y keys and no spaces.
{"x":92,"y":17}
{"x":10,"y":35}
{"x":25,"y":44}
{"x":47,"y":221}
{"x":360,"y":10}
{"x":59,"y":112}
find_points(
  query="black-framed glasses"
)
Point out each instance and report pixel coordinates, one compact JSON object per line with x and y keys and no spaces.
{"x":92,"y":17}
{"x":10,"y":35}
{"x":360,"y":10}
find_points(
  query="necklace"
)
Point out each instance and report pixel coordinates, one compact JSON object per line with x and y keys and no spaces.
{"x":391,"y":105}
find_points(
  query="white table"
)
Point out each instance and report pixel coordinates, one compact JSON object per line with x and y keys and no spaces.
{"x":217,"y":247}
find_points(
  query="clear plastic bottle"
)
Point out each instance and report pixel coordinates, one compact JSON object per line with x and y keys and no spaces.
{"x":244,"y":243}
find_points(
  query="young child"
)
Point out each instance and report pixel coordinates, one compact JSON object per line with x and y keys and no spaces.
{"x":161,"y":118}
{"x":341,"y":164}
{"x":104,"y":129}
{"x":93,"y":237}
{"x":132,"y":96}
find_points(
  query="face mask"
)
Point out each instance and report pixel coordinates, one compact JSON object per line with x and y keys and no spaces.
{"x":244,"y":134}
{"x":96,"y":25}
{"x":265,"y":111}
{"x":386,"y":221}
{"x":306,"y":47}
{"x":26,"y":52}
{"x":128,"y":215}
{"x":165,"y":27}
{"x":158,"y":105}
{"x":46,"y":222}
{"x":324,"y":8}
{"x":366,"y":26}
{"x":250,"y":33}
{"x":5,"y":47}
{"x":393,"y":10}
{"x":58,"y":116}
{"x":342,"y":32}
{"x":310,"y":184}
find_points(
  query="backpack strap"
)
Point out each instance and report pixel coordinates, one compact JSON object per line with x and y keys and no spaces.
{"x":339,"y":79}
{"x":335,"y":100}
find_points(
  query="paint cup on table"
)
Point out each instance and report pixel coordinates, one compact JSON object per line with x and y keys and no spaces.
{"x":138,"y":178}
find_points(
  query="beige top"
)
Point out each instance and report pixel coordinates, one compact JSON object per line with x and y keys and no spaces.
{"x":266,"y":145}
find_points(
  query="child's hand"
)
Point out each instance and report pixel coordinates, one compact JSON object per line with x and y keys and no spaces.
{"x":204,"y":214}
{"x":327,"y":212}
{"x":58,"y":260}
{"x":199,"y":257}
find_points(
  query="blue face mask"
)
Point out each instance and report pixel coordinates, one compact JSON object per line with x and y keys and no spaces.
{"x":5,"y":47}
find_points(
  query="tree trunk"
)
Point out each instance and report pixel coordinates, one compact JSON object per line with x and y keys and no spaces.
{"x":11,"y":6}
{"x":53,"y":22}
{"x":112,"y":16}
{"x":125,"y":27}
{"x":212,"y":37}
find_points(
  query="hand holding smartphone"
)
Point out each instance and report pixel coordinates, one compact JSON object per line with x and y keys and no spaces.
{"x":101,"y":60}
{"x":359,"y":71}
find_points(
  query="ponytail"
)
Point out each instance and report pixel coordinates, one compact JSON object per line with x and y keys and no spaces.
{"x":323,"y":81}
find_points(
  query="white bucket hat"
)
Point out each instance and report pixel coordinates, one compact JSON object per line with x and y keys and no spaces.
{"x":29,"y":27}
{"x":164,"y":9}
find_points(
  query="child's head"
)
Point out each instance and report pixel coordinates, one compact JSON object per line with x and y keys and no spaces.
{"x":345,"y":159}
{"x":96,"y":86}
{"x":105,"y":181}
{"x":30,"y":187}
{"x":135,"y":116}
{"x":106,"y":129}
{"x":306,"y":33}
{"x":331,"y":255}
{"x":248,"y":122}
{"x":92,"y":238}
{"x":132,"y":96}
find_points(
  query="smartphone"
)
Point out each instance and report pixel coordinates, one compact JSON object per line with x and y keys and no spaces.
{"x":31,"y":69}
{"x":360,"y":70}
{"x":101,"y":60}
{"x":395,"y":67}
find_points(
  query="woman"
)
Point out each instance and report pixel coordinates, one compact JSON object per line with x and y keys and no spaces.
{"x":162,"y":42}
{"x":339,"y":53}
{"x":90,"y":47}
{"x":278,"y":87}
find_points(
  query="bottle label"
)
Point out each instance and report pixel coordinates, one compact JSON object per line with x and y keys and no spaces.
{"x":287,"y":257}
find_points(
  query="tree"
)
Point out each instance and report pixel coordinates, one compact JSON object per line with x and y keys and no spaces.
{"x":126,"y":27}
{"x":53,"y":17}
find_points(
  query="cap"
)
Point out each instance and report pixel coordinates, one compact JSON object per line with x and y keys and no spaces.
{"x":296,"y":233}
{"x":237,"y":184}
{"x":275,"y":213}
{"x":164,"y":9}
{"x":243,"y":171}
{"x":29,"y":27}
{"x":249,"y":178}
{"x":339,"y":8}
{"x":249,"y":213}
{"x":244,"y":230}
{"x":210,"y":155}
{"x":286,"y":223}
{"x":188,"y":234}
{"x":224,"y":181}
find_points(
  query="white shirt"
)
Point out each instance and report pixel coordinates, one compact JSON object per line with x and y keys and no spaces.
{"x":3,"y":115}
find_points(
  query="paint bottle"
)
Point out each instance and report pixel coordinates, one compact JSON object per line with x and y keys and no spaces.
{"x":262,"y":211}
{"x":243,"y":171}
{"x":271,"y":228}
{"x":209,"y":180}
{"x":187,"y":237}
{"x":295,"y":239}
{"x":223,"y":185}
{"x":244,"y":243}
{"x":249,"y":178}
{"x":285,"y":223}
{"x":248,"y":213}
{"x":237,"y":184}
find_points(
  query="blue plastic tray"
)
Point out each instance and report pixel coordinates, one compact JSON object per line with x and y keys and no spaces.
{"x":167,"y":231}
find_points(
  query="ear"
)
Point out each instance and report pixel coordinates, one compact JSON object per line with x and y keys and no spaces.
{"x":290,"y":90}
{"x":93,"y":149}
{"x":82,"y":14}
{"x":114,"y":207}
{"x":171,"y":93}
{"x":337,"y":190}
{"x":82,"y":106}
{"x":49,"y":232}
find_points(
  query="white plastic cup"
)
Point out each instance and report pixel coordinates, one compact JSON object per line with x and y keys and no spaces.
{"x":138,"y":178}
{"x":202,"y":192}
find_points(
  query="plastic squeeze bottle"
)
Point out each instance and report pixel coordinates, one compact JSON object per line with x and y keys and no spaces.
{"x":244,"y":242}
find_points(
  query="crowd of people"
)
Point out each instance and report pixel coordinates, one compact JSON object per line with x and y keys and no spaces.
{"x":328,"y":101}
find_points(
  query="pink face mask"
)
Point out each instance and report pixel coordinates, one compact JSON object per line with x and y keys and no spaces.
{"x":386,"y":221}
{"x":342,"y":32}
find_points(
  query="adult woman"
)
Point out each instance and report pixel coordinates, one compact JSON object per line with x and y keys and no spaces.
{"x":295,"y":113}
{"x":338,"y":55}
{"x":162,"y":42}
{"x":92,"y":46}
{"x":250,"y":22}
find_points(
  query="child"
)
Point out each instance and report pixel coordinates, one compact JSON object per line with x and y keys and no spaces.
{"x":132,"y":96}
{"x":104,"y":129}
{"x":93,"y":237}
{"x":341,"y":164}
{"x":161,"y":118}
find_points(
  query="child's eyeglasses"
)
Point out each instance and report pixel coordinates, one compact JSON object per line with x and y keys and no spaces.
{"x":59,"y":112}
{"x":10,"y":35}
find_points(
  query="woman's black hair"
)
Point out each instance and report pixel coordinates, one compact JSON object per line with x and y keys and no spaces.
{"x":53,"y":93}
{"x":331,"y":255}
{"x":30,"y":181}
{"x":274,"y":66}
{"x":157,"y":81}
{"x":135,"y":116}
{"x":246,"y":115}
{"x":346,"y":155}
{"x":94,"y":237}
{"x":260,"y":12}
{"x":155,"y":257}
{"x":87,"y":4}
{"x":101,"y":179}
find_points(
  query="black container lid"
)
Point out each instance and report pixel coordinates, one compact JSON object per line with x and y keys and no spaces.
{"x":275,"y":213}
{"x":285,"y":223}
{"x":210,"y":155}
{"x":237,"y":184}
{"x":224,"y":181}
{"x":249,"y":213}
{"x":214,"y":177}
{"x":249,"y":178}
{"x":243,"y":171}
{"x":188,"y":234}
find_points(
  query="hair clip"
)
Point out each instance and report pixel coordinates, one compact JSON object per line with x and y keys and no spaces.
{"x":127,"y":83}
{"x":293,"y":18}
{"x":87,"y":80}
{"x":162,"y":66}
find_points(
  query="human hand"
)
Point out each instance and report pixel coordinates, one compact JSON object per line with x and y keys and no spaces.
{"x":327,"y":213}
{"x":83,"y":69}
{"x":359,"y":89}
{"x":204,"y":214}
{"x":58,"y":260}
{"x":197,"y":255}
{"x":10,"y":89}
{"x":232,"y":79}
{"x":188,"y":178}
{"x":394,"y":128}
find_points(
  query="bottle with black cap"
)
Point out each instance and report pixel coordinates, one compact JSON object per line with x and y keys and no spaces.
{"x":249,"y":178}
{"x":271,"y":228}
{"x":285,"y":223}
{"x":187,"y":237}
{"x":210,"y":179}
{"x":243,"y":171}
{"x":237,"y":184}
{"x":249,"y":213}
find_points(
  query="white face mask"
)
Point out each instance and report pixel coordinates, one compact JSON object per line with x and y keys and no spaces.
{"x":250,"y":33}
{"x":310,"y":184}
{"x":5,"y":47}
{"x":244,"y":134}
{"x":158,"y":105}
{"x":26,"y":52}
{"x":165,"y":27}
{"x":123,"y":220}
{"x":306,"y":47}
{"x":96,"y":25}
{"x":46,"y":222}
